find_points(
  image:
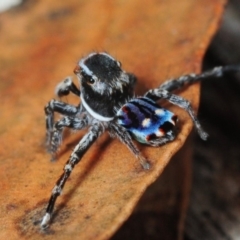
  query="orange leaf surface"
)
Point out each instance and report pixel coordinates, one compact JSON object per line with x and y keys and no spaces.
{"x":40,"y":44}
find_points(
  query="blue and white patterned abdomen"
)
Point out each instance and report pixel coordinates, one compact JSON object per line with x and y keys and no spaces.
{"x":146,"y":120}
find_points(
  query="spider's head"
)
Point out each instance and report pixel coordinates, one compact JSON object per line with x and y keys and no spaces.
{"x":104,"y":85}
{"x":101,"y":73}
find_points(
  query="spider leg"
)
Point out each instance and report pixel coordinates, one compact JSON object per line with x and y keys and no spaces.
{"x":65,"y":87}
{"x":71,"y":122}
{"x":94,"y":132}
{"x":177,"y":83}
{"x":179,"y":101}
{"x":60,"y":107}
{"x":163,"y":140}
{"x":122,"y":134}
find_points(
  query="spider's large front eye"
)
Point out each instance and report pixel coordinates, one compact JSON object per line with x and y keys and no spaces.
{"x":89,"y":79}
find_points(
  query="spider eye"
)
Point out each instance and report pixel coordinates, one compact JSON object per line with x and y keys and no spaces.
{"x":89,"y":79}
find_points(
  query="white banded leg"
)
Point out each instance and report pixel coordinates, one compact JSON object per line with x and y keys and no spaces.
{"x":122,"y":134}
{"x":70,"y":122}
{"x":177,"y":83}
{"x":94,"y":132}
{"x":60,"y":107}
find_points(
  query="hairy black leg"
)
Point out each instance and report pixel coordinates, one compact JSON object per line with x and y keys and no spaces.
{"x":60,"y":107}
{"x":163,"y":140}
{"x":177,"y":83}
{"x":65,"y":87}
{"x":179,"y":101}
{"x":70,"y":122}
{"x":125,"y":137}
{"x":94,"y":132}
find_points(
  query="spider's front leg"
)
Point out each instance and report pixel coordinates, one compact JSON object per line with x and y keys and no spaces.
{"x":156,"y":94}
{"x":75,"y":123}
{"x":94,"y":132}
{"x":60,"y":107}
{"x":62,"y":89}
{"x":65,"y":87}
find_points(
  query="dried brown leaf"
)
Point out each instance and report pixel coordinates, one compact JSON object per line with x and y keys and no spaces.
{"x":40,"y":44}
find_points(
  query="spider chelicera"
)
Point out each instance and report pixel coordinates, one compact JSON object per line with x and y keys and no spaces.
{"x":108,"y":104}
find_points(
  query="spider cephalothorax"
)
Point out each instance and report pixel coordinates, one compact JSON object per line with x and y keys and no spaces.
{"x":104,"y":85}
{"x":107,"y":104}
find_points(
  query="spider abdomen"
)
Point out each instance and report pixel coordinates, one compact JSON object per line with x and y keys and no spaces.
{"x":147,"y":121}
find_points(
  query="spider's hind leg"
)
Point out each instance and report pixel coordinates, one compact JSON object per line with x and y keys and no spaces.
{"x":159,"y":141}
{"x":178,"y":83}
{"x":182,"y":103}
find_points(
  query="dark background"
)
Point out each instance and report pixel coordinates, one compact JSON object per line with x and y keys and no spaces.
{"x":215,"y":200}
